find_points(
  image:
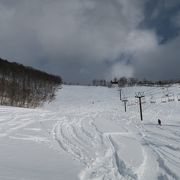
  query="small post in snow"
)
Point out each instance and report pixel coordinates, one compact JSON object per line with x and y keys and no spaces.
{"x":140,"y":95}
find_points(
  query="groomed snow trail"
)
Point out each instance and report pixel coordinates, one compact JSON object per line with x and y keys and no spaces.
{"x":78,"y":135}
{"x":89,"y":124}
{"x":164,"y":141}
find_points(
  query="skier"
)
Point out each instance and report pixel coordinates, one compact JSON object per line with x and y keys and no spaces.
{"x":159,"y":122}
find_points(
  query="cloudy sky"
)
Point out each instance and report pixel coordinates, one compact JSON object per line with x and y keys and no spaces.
{"x":82,"y":40}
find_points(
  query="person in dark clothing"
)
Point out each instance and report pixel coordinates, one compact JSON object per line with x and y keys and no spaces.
{"x":159,"y":122}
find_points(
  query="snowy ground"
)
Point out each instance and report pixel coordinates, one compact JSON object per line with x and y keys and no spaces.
{"x":85,"y":134}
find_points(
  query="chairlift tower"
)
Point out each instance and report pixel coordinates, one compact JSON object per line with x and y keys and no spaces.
{"x":140,"y":95}
{"x":125,"y":102}
{"x":120,"y":94}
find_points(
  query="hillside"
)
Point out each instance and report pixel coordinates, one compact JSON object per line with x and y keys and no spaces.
{"x":25,"y":86}
{"x":86,"y":134}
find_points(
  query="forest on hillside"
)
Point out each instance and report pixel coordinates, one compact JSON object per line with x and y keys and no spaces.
{"x":25,"y":86}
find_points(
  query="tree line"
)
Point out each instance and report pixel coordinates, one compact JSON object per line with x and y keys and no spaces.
{"x":25,"y":86}
{"x":124,"y":81}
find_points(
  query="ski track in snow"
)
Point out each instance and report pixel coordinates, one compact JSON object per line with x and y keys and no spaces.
{"x":81,"y":138}
{"x":75,"y":131}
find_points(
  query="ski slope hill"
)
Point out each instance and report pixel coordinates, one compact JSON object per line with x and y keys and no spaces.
{"x":86,"y":134}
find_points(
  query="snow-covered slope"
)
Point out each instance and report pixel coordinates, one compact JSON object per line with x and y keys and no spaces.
{"x":85,"y":134}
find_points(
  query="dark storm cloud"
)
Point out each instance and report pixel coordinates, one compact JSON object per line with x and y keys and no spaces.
{"x":86,"y":39}
{"x":159,"y":15}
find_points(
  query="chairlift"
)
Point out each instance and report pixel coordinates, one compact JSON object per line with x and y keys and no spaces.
{"x":163,"y":99}
{"x":131,"y":103}
{"x":136,"y":101}
{"x":171,"y":98}
{"x":178,"y":97}
{"x":165,"y":91}
{"x":143,"y":101}
{"x":114,"y":83}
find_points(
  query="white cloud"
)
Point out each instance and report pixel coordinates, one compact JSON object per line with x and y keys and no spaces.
{"x":94,"y":30}
{"x":120,"y":70}
{"x":160,"y":63}
{"x":140,"y":41}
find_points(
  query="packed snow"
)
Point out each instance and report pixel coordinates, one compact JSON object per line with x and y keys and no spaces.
{"x":86,"y":134}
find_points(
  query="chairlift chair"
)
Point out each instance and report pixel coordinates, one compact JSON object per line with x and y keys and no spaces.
{"x":178,"y":97}
{"x":136,"y":101}
{"x":143,"y":101}
{"x":171,"y":98}
{"x":131,"y":103}
{"x":163,"y":99}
